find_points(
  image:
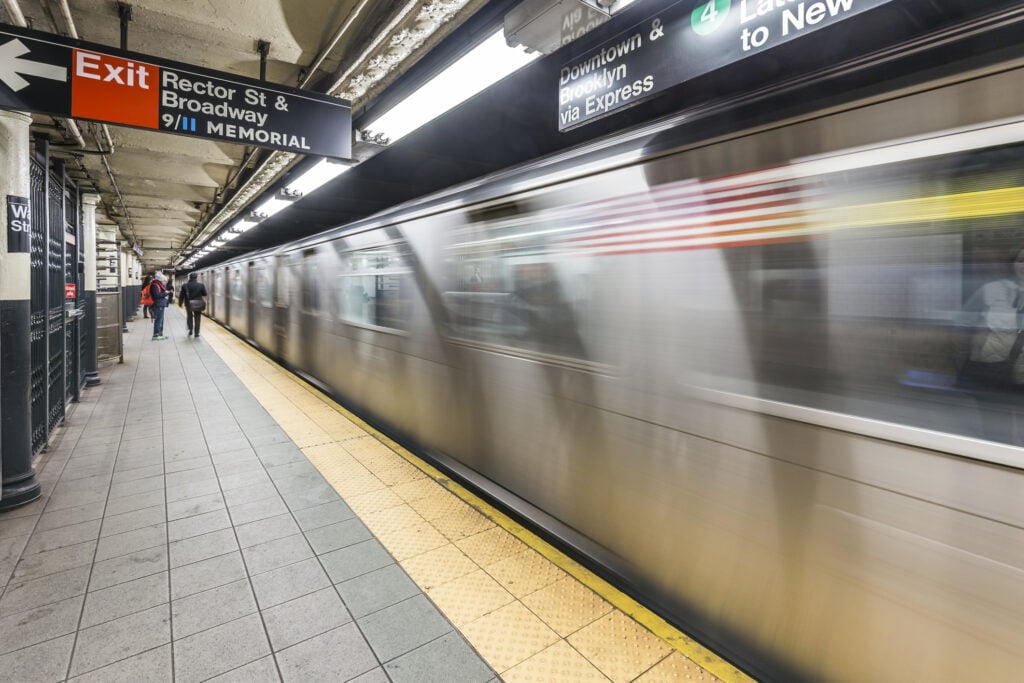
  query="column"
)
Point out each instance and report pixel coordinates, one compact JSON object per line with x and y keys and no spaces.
{"x":89,"y":201}
{"x":19,"y":479}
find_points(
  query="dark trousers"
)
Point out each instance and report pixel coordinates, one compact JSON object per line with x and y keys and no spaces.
{"x":158,"y":320}
{"x":193,"y":320}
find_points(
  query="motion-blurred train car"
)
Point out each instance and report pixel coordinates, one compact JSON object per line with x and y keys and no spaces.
{"x":728,"y":370}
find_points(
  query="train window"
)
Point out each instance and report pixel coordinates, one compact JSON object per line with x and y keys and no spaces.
{"x":236,"y":284}
{"x":311,"y":284}
{"x":263,"y":289}
{"x":507,"y":286}
{"x":374,"y":286}
{"x":896,"y":292}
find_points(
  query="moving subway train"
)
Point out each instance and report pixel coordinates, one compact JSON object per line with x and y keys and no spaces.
{"x":732,"y":372}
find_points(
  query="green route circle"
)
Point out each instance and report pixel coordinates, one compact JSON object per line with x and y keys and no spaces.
{"x":705,"y":19}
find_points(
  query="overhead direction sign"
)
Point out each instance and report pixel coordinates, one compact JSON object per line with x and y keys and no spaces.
{"x":685,"y":40}
{"x":50,"y":74}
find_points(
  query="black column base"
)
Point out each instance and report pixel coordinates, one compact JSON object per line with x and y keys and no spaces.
{"x":92,"y":379}
{"x":16,"y":494}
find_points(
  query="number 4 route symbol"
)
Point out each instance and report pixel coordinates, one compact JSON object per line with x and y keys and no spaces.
{"x":706,"y":18}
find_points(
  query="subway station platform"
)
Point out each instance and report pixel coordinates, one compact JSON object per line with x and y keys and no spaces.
{"x":208,"y":515}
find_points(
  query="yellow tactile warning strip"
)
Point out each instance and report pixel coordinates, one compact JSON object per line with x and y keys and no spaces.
{"x":531,"y":612}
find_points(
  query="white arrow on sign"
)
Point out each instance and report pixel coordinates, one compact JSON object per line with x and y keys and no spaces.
{"x":11,"y":65}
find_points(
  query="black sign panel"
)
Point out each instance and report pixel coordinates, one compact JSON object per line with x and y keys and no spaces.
{"x":687,"y":39}
{"x":69,"y":78}
{"x":19,"y":225}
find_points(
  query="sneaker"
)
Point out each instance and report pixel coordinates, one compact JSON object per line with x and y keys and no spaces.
{"x":161,"y":337}
{"x":155,"y":337}
{"x":190,"y":334}
{"x":197,"y":336}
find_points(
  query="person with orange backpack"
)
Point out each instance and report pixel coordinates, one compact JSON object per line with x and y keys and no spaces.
{"x":147,"y":298}
{"x":158,"y":290}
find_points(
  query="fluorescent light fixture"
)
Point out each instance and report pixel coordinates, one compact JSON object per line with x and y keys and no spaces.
{"x":320,"y":174}
{"x":481,"y":67}
{"x":271,"y":206}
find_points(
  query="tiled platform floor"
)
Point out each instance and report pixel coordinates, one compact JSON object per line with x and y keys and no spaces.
{"x":206,"y":506}
{"x":184,"y":536}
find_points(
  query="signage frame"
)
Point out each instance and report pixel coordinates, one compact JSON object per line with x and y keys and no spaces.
{"x":258,"y":113}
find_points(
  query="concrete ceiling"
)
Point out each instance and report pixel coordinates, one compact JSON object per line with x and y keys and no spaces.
{"x":167,"y":193}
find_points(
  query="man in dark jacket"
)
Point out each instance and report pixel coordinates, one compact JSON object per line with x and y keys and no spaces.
{"x":194,"y":293}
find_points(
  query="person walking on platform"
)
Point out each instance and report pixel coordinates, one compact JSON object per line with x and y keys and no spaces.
{"x":147,"y":300}
{"x":194,"y":292}
{"x":158,"y":290}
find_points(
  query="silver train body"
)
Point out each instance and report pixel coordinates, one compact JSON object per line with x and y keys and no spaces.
{"x":727,"y":371}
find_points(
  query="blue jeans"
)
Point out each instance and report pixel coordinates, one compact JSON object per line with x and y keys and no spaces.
{"x":158,"y":320}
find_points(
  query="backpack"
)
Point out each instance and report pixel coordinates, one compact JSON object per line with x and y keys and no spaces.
{"x":147,"y":299}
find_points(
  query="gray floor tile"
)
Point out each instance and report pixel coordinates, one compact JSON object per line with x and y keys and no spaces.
{"x":401,"y":628}
{"x":278,"y":553}
{"x":23,"y":526}
{"x":128,"y":567}
{"x":340,"y":535}
{"x":138,"y":501}
{"x":69,"y":516}
{"x":204,"y":473}
{"x":337,"y":655}
{"x":119,"y":639}
{"x":323,"y":515}
{"x":289,"y":582}
{"x":244,"y":513}
{"x":248,"y":494}
{"x":131,"y":541}
{"x":292,"y":622}
{"x":446,"y":660}
{"x":54,"y":561}
{"x":194,"y":506}
{"x":194,"y":489}
{"x":188,"y":464}
{"x":197,"y":525}
{"x":198,"y":548}
{"x":43,"y":662}
{"x":373,"y":676}
{"x":63,"y":501}
{"x":130,"y":521}
{"x":242,"y":466}
{"x":381,"y":588}
{"x":212,"y":608}
{"x":39,"y":625}
{"x":355,"y":560}
{"x":53,"y":539}
{"x":152,"y":666}
{"x":220,"y":649}
{"x":124,"y":599}
{"x":86,"y":469}
{"x":265,"y":530}
{"x":137,"y":486}
{"x":228,"y":445}
{"x":239,"y":455}
{"x":124,"y":476}
{"x":201,"y":576}
{"x":44,"y":591}
{"x":293,"y":469}
{"x":261,"y":671}
{"x":307,"y":498}
{"x":243,"y":479}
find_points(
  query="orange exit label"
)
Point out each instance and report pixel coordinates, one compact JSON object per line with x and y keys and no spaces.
{"x":108,"y":88}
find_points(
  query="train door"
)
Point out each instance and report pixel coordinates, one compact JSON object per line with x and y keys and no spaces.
{"x":279,"y":311}
{"x":308,"y":310}
{"x":250,"y":300}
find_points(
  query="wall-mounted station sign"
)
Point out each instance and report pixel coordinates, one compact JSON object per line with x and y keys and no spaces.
{"x":685,"y":40}
{"x":50,"y":74}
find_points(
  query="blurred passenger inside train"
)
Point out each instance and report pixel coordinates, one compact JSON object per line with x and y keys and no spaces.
{"x":994,"y":363}
{"x":147,"y":299}
{"x":158,"y":291}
